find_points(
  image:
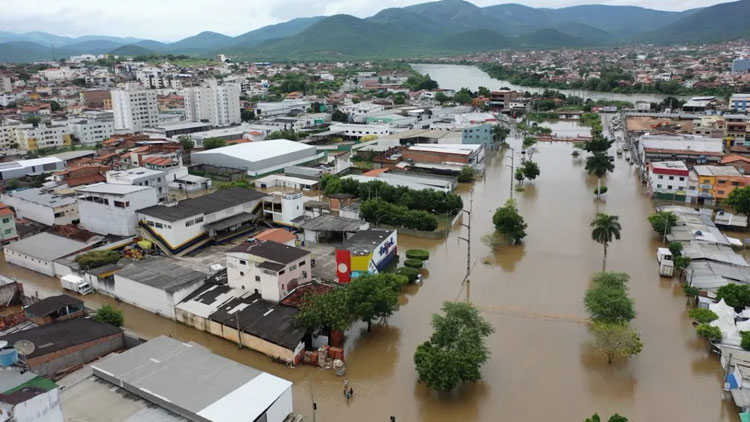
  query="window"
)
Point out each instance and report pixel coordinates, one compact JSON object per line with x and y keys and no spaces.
{"x":671,"y":177}
{"x":158,"y":225}
{"x":661,"y":177}
{"x":242,"y":274}
{"x":120,"y":204}
{"x":282,"y":272}
{"x":722,"y":182}
{"x":6,"y":220}
{"x":669,"y":187}
{"x":292,"y":268}
{"x":682,"y":179}
{"x":243,"y":262}
{"x":706,"y":181}
{"x":59,"y":214}
{"x":301,"y":263}
{"x":658,"y":186}
{"x":257,"y":278}
{"x":721,"y":192}
{"x":7,"y":231}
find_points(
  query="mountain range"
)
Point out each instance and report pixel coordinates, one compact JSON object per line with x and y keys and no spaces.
{"x":440,"y":27}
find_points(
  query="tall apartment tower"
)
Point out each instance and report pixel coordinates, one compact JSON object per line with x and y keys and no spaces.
{"x":134,"y":108}
{"x":217,"y":104}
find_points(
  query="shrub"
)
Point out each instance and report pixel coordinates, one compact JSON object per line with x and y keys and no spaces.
{"x":418,"y":254}
{"x":377,"y":211}
{"x":414,"y":263}
{"x":96,"y":259}
{"x":735,"y":295}
{"x":745,"y":344}
{"x":410,"y":273}
{"x":602,"y":190}
{"x":109,"y":315}
{"x":662,"y":222}
{"x":466,"y":175}
{"x":703,"y":316}
{"x":713,"y":334}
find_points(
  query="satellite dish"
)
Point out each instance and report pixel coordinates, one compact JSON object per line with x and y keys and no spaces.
{"x":24,"y":347}
{"x":3,"y":343}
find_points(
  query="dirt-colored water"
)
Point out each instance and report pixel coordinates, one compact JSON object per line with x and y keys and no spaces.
{"x":540,"y":369}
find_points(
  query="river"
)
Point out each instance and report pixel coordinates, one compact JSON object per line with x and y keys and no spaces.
{"x":540,"y":368}
{"x":452,"y":76}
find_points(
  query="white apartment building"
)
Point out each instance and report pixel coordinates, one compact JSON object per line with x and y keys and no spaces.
{"x":218,"y":104}
{"x":6,"y":99}
{"x":58,"y":73}
{"x":42,"y":206}
{"x":353,"y":130}
{"x":8,"y":136}
{"x":5,"y":84}
{"x":96,"y":127}
{"x":134,"y":108}
{"x":42,"y":136}
{"x":107,"y":208}
{"x":151,"y":78}
{"x":140,"y":176}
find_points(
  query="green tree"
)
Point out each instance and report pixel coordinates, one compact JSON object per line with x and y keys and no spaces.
{"x":339,"y":116}
{"x":284,"y":134}
{"x":675,"y":248}
{"x":212,"y":143}
{"x":530,"y":169}
{"x":599,"y":165}
{"x":608,"y":304}
{"x":94,"y":259}
{"x":597,"y":144}
{"x":441,"y":98}
{"x":54,"y":106}
{"x":739,"y":199}
{"x":682,"y":263}
{"x":613,"y":418}
{"x":509,"y":223}
{"x":109,"y":315}
{"x":703,"y":316}
{"x":456,"y":350}
{"x":518,"y":175}
{"x":34,"y":120}
{"x":734,"y":295}
{"x":466,"y":175}
{"x":327,"y":311}
{"x":499,"y":133}
{"x":713,"y":334}
{"x":606,"y":228}
{"x":612,"y":279}
{"x":613,"y":340}
{"x":463,"y":97}
{"x":375,"y":296}
{"x":187,"y":143}
{"x":662,"y":222}
{"x":247,"y":115}
{"x":745,"y":342}
{"x":483,"y":91}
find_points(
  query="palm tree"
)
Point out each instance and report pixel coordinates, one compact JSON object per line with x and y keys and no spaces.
{"x":606,"y":228}
{"x":598,"y":164}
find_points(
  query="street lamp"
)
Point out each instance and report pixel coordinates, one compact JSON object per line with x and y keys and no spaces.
{"x":512,"y":168}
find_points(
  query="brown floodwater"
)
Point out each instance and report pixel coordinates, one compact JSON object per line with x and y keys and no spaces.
{"x":540,"y":368}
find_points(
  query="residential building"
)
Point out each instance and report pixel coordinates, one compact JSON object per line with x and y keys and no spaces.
{"x":367,"y":252}
{"x":740,"y":162}
{"x":8,"y":136}
{"x":737,"y":129}
{"x":65,"y":344}
{"x":155,"y":284}
{"x":357,"y":131}
{"x":8,"y":231}
{"x":283,"y":180}
{"x":109,"y":208}
{"x":80,"y":175}
{"x":668,"y":180}
{"x":96,"y":98}
{"x":711,"y":184}
{"x":191,"y":223}
{"x":258,"y":158}
{"x":134,"y":108}
{"x":96,"y":127}
{"x":22,"y":168}
{"x":190,"y":381}
{"x":27,"y":397}
{"x":269,"y":268}
{"x":141,"y":176}
{"x":43,"y":206}
{"x":217,"y":104}
{"x":42,"y":136}
{"x":740,"y":102}
{"x":690,"y":149}
{"x":54,"y":309}
{"x":287,"y":209}
{"x":5,"y":84}
{"x":277,"y":235}
{"x":173,"y":130}
{"x":450,"y":157}
{"x":741,"y":65}
{"x":501,"y":99}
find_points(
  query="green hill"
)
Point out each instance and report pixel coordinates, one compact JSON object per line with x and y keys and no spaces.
{"x":25,"y":51}
{"x":132,"y":50}
{"x":281,"y":30}
{"x":726,"y":21}
{"x":205,"y":41}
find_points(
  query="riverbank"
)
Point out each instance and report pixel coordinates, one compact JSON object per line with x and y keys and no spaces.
{"x":455,"y":77}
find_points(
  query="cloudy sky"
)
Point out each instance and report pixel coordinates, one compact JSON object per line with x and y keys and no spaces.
{"x":171,"y":20}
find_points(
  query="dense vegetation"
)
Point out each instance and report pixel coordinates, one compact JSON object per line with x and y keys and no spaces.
{"x":96,"y":259}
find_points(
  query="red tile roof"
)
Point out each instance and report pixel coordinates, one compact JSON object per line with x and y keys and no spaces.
{"x":276,"y":235}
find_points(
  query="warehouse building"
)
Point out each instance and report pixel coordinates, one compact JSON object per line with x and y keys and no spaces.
{"x":155,"y":284}
{"x":367,"y":252}
{"x":43,"y":206}
{"x":189,"y":380}
{"x":258,"y":158}
{"x":39,"y":252}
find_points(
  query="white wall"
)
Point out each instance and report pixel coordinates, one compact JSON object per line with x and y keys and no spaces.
{"x":281,"y":408}
{"x":42,"y":213}
{"x":108,"y":219}
{"x":272,"y":286}
{"x":42,"y":408}
{"x":178,"y":232}
{"x":143,"y":296}
{"x":34,"y":264}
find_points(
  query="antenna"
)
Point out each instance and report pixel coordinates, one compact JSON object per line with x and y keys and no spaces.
{"x":24,"y":348}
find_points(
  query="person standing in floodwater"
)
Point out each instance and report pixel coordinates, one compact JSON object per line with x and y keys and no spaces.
{"x":346,"y":384}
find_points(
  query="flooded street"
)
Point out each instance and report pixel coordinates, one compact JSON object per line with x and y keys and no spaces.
{"x":538,"y":367}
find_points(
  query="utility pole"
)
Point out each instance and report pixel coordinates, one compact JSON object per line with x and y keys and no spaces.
{"x":239,"y":333}
{"x":512,"y":168}
{"x":467,"y":239}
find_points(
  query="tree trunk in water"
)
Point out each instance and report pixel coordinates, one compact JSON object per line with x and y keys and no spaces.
{"x":369,"y":325}
{"x":604,"y":261}
{"x":598,"y":187}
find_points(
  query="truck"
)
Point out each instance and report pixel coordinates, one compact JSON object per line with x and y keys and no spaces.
{"x":666,"y":262}
{"x":75,"y":284}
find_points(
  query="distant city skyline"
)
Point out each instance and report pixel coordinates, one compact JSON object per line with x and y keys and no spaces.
{"x":172,"y":20}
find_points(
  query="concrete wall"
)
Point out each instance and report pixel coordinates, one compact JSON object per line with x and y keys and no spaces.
{"x":34,"y":264}
{"x":257,"y":343}
{"x":42,"y":408}
{"x":146,"y":297}
{"x":41,"y":213}
{"x":109,"y":219}
{"x":47,"y":365}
